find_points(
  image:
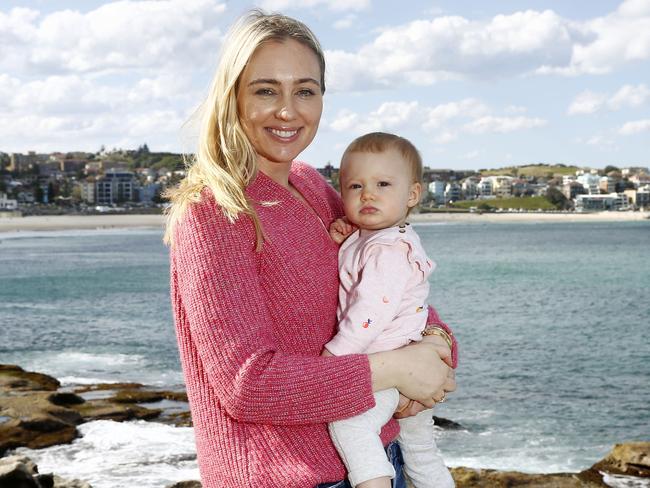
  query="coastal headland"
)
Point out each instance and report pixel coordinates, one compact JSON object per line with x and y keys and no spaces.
{"x":157,"y":221}
{"x":36,"y":412}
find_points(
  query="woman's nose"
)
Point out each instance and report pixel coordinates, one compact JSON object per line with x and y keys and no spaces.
{"x":286,"y":111}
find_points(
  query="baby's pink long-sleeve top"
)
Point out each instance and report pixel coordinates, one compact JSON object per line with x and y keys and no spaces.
{"x":383,"y":291}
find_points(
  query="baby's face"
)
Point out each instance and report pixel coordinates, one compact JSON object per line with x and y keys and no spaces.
{"x":377,"y":189}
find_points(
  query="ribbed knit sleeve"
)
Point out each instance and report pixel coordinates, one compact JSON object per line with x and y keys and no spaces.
{"x":218,"y":280}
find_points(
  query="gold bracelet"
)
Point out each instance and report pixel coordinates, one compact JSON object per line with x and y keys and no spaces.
{"x":439,"y":331}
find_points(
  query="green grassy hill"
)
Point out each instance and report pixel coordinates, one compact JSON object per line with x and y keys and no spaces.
{"x":537,"y":170}
{"x":527,"y":203}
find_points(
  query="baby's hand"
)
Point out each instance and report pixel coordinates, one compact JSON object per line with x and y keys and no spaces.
{"x":340,"y":229}
{"x":407,"y":408}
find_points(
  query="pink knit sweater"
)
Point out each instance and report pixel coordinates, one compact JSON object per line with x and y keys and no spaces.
{"x":250,"y":328}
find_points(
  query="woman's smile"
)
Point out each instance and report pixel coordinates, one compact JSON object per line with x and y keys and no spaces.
{"x":285,"y":135}
{"x":280,"y":101}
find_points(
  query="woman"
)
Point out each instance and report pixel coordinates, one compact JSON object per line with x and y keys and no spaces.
{"x":254,"y":276}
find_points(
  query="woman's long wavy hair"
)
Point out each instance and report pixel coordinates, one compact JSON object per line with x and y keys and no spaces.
{"x":225,"y":160}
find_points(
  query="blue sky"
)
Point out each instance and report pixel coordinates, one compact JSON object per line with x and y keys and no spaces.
{"x":473,"y":84}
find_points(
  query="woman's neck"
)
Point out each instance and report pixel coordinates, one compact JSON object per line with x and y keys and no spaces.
{"x":278,"y":172}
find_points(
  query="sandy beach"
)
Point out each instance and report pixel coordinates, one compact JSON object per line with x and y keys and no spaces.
{"x":70,"y":222}
{"x":530,"y":217}
{"x":116,"y":221}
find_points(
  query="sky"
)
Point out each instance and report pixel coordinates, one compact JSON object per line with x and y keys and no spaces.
{"x":473,"y":84}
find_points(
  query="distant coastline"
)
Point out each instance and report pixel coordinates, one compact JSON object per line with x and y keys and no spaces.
{"x":156,"y":221}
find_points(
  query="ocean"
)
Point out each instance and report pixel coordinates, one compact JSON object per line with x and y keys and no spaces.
{"x":551,"y":318}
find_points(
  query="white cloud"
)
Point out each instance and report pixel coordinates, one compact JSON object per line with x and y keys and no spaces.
{"x":336,"y":5}
{"x":345,"y":22}
{"x":345,"y":120}
{"x":426,"y":51}
{"x":117,"y":36}
{"x":589,"y":102}
{"x":503,"y":124}
{"x":635,"y":127}
{"x":515,"y":109}
{"x":629,"y":95}
{"x":445,"y":137}
{"x":118,"y":73}
{"x":440,"y":114}
{"x":444,"y":121}
{"x":396,"y":115}
{"x":598,"y":140}
{"x":452,"y":47}
{"x":610,"y":41}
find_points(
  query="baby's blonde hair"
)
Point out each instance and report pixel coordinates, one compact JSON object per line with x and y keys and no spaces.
{"x":225,"y":160}
{"x":377,"y":142}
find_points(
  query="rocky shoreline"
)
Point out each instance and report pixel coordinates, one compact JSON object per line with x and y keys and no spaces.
{"x":36,"y":412}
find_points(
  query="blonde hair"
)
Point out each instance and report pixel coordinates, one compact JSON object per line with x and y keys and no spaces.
{"x":226,"y":161}
{"x":377,"y":142}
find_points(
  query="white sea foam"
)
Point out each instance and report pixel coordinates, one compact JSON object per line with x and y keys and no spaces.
{"x":617,"y":481}
{"x":113,"y":454}
{"x":84,"y":368}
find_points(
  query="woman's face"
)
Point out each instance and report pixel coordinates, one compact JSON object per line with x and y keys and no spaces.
{"x":280,"y":100}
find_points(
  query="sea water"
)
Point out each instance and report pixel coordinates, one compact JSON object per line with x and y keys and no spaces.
{"x":551,"y":318}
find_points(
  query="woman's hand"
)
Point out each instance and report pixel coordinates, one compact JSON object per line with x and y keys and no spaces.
{"x":407,"y":407}
{"x":441,"y":346}
{"x":416,"y":371}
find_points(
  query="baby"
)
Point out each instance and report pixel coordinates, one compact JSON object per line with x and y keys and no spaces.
{"x":382,"y":303}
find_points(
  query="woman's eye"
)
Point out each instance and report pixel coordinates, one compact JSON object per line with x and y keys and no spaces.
{"x":305,"y":92}
{"x":265,"y":92}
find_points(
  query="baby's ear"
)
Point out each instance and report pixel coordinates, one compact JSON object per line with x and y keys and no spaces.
{"x":414,"y":194}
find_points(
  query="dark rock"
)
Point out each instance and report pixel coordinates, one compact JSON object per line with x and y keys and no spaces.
{"x":42,"y":424}
{"x":447,"y":424}
{"x":489,"y":478}
{"x":631,"y":459}
{"x":186,"y":484}
{"x":179,"y":419}
{"x":17,"y":472}
{"x":106,"y":410}
{"x":45,"y":480}
{"x":65,"y":399}
{"x":16,"y":378}
{"x":107,"y":386}
{"x":21,"y":472}
{"x":31,"y":415}
{"x":137,"y":396}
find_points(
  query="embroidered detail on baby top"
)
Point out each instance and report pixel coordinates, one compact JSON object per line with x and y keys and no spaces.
{"x":385,"y":300}
{"x":366,"y":324}
{"x":419,"y":309}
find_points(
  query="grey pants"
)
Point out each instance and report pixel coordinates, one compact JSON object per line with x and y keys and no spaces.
{"x":359,"y":445}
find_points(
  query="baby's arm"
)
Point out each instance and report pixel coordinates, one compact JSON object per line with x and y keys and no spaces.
{"x":340,"y":229}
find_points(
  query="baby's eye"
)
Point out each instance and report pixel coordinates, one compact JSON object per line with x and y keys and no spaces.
{"x":383,"y":183}
{"x":354,"y":186}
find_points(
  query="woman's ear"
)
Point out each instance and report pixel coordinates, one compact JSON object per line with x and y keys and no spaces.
{"x":414,"y":194}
